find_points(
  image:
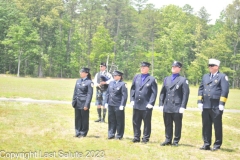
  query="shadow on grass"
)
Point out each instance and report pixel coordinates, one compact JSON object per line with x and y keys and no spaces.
{"x":92,"y":136}
{"x":227,"y":150}
{"x":157,"y":142}
{"x":186,"y":145}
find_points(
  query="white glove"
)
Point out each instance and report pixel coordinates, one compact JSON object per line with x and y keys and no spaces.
{"x":161,"y":108}
{"x":132,"y":103}
{"x":181,"y":110}
{"x":200,"y":106}
{"x":106,"y":105}
{"x":121,"y":108}
{"x":149,"y":106}
{"x":221,"y":107}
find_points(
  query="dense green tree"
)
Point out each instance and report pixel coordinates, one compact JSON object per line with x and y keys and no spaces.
{"x":102,"y":48}
{"x":232,"y":19}
{"x":57,"y":37}
{"x":20,"y":39}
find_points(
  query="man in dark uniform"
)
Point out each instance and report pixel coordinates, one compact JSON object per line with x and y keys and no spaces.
{"x":212,"y":96}
{"x":116,"y":99}
{"x":173,"y":100}
{"x":143,"y":95}
{"x":101,"y":81}
{"x":82,"y":97}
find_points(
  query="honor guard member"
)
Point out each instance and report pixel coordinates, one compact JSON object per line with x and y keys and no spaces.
{"x":143,"y":95}
{"x":101,"y":81}
{"x":82,"y":97}
{"x":116,"y":99}
{"x":173,"y":100}
{"x":212,"y":96}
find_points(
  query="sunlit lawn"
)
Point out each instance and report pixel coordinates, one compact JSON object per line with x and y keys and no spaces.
{"x":62,"y":89}
{"x":49,"y":129}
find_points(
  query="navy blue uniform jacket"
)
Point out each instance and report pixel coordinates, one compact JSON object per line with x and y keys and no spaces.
{"x":174,"y":95}
{"x":117,"y":94}
{"x":143,"y":94}
{"x":82,"y":95}
{"x":216,"y":88}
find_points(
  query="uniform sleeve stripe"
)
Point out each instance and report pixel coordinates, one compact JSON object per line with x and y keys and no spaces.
{"x":199,"y":97}
{"x":223,"y":99}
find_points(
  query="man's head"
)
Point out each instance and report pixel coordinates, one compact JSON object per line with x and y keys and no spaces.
{"x":213,"y":65}
{"x":103,"y":66}
{"x":145,"y":67}
{"x":117,"y":75}
{"x":176,"y":67}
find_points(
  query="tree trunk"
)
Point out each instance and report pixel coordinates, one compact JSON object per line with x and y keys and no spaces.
{"x":115,"y":39}
{"x":19,"y":63}
{"x":40,"y":73}
{"x":152,"y":52}
{"x":25,"y":67}
{"x":233,"y":81}
{"x":68,"y":44}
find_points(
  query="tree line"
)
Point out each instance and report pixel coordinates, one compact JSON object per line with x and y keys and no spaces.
{"x":55,"y":38}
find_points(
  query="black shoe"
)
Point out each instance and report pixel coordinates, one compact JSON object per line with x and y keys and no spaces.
{"x":102,"y":120}
{"x":175,"y":144}
{"x":118,"y":138}
{"x":135,"y":140}
{"x":215,"y":148}
{"x":98,"y":120}
{"x":165,"y":143}
{"x":145,"y":141}
{"x":205,"y":148}
{"x":81,"y":136}
{"x":111,"y":137}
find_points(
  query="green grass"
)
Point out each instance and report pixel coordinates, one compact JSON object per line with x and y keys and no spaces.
{"x":62,"y":89}
{"x":49,"y":128}
{"x":37,"y":88}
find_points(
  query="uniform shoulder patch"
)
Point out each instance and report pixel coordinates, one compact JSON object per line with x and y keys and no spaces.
{"x":187,"y":81}
{"x":226,"y":77}
{"x":126,"y":85}
{"x":92,"y":84}
{"x":156,"y":80}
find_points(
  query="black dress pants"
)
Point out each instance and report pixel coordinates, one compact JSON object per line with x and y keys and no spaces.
{"x":209,"y":117}
{"x":138,"y":116}
{"x":81,"y":122}
{"x":169,"y":118}
{"x":116,"y":122}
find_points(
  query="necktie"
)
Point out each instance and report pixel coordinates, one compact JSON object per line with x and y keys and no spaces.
{"x":211,"y":76}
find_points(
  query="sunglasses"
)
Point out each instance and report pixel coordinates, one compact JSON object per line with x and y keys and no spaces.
{"x":211,"y":65}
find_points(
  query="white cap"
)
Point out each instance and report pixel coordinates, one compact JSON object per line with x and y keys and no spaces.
{"x":214,"y":61}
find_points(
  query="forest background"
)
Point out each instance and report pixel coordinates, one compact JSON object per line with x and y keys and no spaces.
{"x":55,"y":38}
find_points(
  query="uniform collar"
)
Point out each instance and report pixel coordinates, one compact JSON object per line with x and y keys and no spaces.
{"x":174,"y":76}
{"x":214,"y":74}
{"x":144,"y":75}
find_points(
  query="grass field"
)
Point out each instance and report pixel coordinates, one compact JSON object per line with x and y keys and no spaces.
{"x":62,"y":89}
{"x":48,"y":129}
